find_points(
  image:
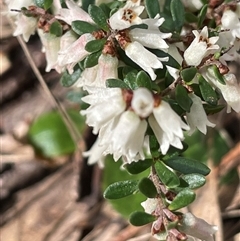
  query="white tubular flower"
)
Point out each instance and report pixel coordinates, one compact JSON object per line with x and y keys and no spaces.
{"x":230,"y":91}
{"x":192,"y":5}
{"x":197,"y":117}
{"x":167,"y":127}
{"x":126,"y":137}
{"x":76,"y":52}
{"x":142,"y":102}
{"x":230,"y":20}
{"x":126,"y":16}
{"x":200,"y":47}
{"x":144,"y":58}
{"x":197,"y":227}
{"x":143,"y":36}
{"x":95,"y":154}
{"x":74,"y":12}
{"x":51,"y":46}
{"x":105,"y":104}
{"x":98,"y":74}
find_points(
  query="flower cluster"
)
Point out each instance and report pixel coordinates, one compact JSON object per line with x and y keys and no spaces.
{"x":150,"y":73}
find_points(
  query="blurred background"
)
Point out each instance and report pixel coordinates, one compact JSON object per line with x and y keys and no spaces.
{"x":48,"y":192}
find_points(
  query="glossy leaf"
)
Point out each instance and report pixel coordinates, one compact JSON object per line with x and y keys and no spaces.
{"x":190,"y":17}
{"x":81,"y":27}
{"x":121,"y":189}
{"x":143,"y":80}
{"x":152,"y":7}
{"x":130,"y":80}
{"x":167,"y":176}
{"x":188,"y":74}
{"x":46,"y":4}
{"x":56,"y":29}
{"x":86,"y":3}
{"x":182,"y":98}
{"x":183,"y":199}
{"x":49,"y":135}
{"x":187,"y":166}
{"x":98,"y":16}
{"x":147,"y":188}
{"x":141,"y":218}
{"x":202,"y":15}
{"x":208,"y":94}
{"x":92,"y":59}
{"x":68,"y":80}
{"x":209,"y":109}
{"x":116,"y":83}
{"x":95,"y":45}
{"x":178,"y":14}
{"x":217,"y":74}
{"x":138,"y":167}
{"x":194,"y":180}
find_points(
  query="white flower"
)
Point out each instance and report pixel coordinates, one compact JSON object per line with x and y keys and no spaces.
{"x":197,"y":227}
{"x":144,"y":58}
{"x":95,"y":154}
{"x":98,"y":74}
{"x":197,"y":117}
{"x":51,"y":46}
{"x":150,"y":205}
{"x":126,"y":16}
{"x":192,"y":5}
{"x":230,"y":20}
{"x":230,"y":91}
{"x":105,"y":104}
{"x":76,"y":52}
{"x":125,"y":137}
{"x":200,"y":47}
{"x":74,"y":12}
{"x":167,"y":127}
{"x":142,"y":102}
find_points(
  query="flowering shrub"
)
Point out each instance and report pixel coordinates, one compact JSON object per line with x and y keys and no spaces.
{"x":152,"y":70}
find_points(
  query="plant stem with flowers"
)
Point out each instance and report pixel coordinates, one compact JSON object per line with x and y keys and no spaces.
{"x":152,"y":70}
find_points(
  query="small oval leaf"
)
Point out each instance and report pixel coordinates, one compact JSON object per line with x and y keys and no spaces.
{"x":116,"y":83}
{"x":95,"y":45}
{"x":182,"y":98}
{"x":141,"y":218}
{"x":178,"y":14}
{"x":68,"y":80}
{"x":187,"y":166}
{"x":183,"y":198}
{"x":92,"y":59}
{"x":194,"y":180}
{"x":56,"y":29}
{"x":138,"y":167}
{"x":81,"y":27}
{"x":98,"y":16}
{"x":188,"y":74}
{"x":147,"y":188}
{"x":152,"y":7}
{"x":143,"y":80}
{"x":167,"y":176}
{"x":202,"y":15}
{"x":121,"y":189}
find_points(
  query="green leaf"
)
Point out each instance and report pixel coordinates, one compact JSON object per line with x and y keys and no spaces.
{"x":209,"y":109}
{"x":152,"y":7}
{"x":46,"y":4}
{"x":49,"y":135}
{"x":190,"y":17}
{"x":178,"y":14}
{"x":208,"y":94}
{"x":154,"y":146}
{"x":81,"y":27}
{"x":182,"y":98}
{"x":86,"y":3}
{"x":167,"y":176}
{"x":116,"y":83}
{"x":92,"y":59}
{"x":141,"y":218}
{"x":130,"y":80}
{"x":98,"y":16}
{"x":147,"y":188}
{"x":138,"y":167}
{"x":56,"y":29}
{"x":183,"y":199}
{"x":194,"y":180}
{"x":202,"y":15}
{"x":121,"y":189}
{"x":143,"y":80}
{"x":188,"y":74}
{"x":68,"y":80}
{"x":95,"y":45}
{"x":217,"y":74}
{"x":187,"y":166}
